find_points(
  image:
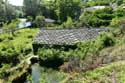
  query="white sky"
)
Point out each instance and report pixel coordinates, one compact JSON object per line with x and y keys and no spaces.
{"x":16,"y":2}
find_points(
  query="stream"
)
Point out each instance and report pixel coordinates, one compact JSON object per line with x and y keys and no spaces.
{"x":45,"y":75}
{"x":35,"y":73}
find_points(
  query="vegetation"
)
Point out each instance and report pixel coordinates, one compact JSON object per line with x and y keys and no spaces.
{"x":11,"y":49}
{"x":39,"y":21}
{"x":97,"y":61}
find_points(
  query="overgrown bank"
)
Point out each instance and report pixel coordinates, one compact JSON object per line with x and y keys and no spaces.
{"x":14,"y":51}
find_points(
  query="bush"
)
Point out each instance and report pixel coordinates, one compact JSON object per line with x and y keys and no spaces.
{"x":11,"y":27}
{"x":69,"y":23}
{"x":120,"y":12}
{"x":8,"y":55}
{"x":97,"y":18}
{"x":105,"y":40}
{"x":1,"y":39}
{"x":29,"y":18}
{"x":48,"y":53}
{"x":82,"y":50}
{"x":12,"y":47}
{"x":50,"y":58}
{"x":39,"y":21}
{"x":118,"y":22}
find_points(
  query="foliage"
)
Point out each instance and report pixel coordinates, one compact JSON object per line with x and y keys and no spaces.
{"x":112,"y":72}
{"x":97,"y":18}
{"x":51,"y":76}
{"x":65,"y":8}
{"x":29,"y":18}
{"x":118,"y":22}
{"x":103,"y":2}
{"x":2,"y":70}
{"x":39,"y":21}
{"x":7,"y":11}
{"x":2,"y":11}
{"x":68,"y":23}
{"x":11,"y":27}
{"x":105,"y":40}
{"x":119,"y":12}
{"x":14,"y":46}
{"x":119,"y":2}
{"x":31,"y":7}
{"x":103,"y":72}
{"x":82,"y":49}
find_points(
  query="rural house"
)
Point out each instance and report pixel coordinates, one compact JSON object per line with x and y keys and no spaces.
{"x":68,"y":37}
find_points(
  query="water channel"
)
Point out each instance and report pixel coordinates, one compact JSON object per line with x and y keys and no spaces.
{"x":44,"y":75}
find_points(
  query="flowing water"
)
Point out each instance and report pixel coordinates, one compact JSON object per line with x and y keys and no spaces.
{"x":35,"y":73}
{"x":40,"y":74}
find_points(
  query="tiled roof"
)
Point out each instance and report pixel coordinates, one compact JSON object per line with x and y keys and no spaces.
{"x":66,"y":36}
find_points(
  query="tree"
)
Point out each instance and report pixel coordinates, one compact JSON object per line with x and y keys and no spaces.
{"x":10,"y":11}
{"x":39,"y":21}
{"x":11,"y":27}
{"x":31,"y":7}
{"x":97,"y":18}
{"x":85,"y":18}
{"x":2,"y":11}
{"x":65,"y":8}
{"x":119,"y":2}
{"x":7,"y":11}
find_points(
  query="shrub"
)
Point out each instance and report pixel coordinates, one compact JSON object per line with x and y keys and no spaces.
{"x":48,"y":53}
{"x":97,"y":18}
{"x":30,"y":18}
{"x":119,"y":12}
{"x":11,"y":27}
{"x":39,"y":21}
{"x":105,"y":40}
{"x":82,"y":50}
{"x":69,"y":23}
{"x":12,"y":47}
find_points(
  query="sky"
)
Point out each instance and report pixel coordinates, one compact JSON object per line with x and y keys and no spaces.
{"x":16,"y":2}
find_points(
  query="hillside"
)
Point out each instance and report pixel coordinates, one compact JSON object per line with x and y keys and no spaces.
{"x":62,"y":41}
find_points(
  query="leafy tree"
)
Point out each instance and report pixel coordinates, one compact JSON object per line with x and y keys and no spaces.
{"x":10,"y":12}
{"x":2,"y":11}
{"x":97,"y":18}
{"x":7,"y":11}
{"x":39,"y":21}
{"x":11,"y":27}
{"x":85,"y":18}
{"x":65,"y":8}
{"x":119,"y":2}
{"x":119,"y":12}
{"x":31,"y":7}
{"x":47,"y":9}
